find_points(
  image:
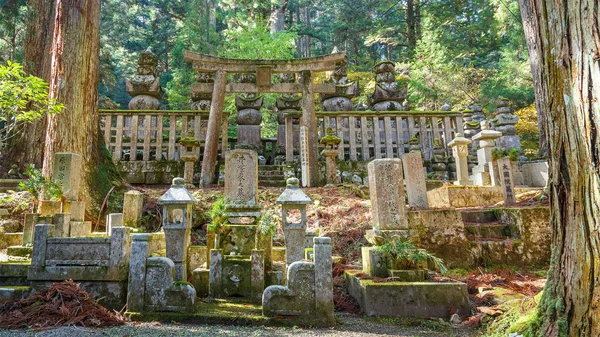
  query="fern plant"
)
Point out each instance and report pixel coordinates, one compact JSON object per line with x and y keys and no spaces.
{"x":406,"y":256}
{"x":217,"y":215}
{"x":40,"y":187}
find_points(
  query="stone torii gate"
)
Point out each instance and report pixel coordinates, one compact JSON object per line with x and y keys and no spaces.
{"x":263,"y":70}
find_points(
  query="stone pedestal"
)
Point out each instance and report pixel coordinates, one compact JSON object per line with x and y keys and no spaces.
{"x":416,"y":188}
{"x":330,"y":166}
{"x":460,"y":152}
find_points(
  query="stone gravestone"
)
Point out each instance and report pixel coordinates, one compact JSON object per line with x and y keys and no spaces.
{"x":67,"y":174}
{"x":386,"y":185}
{"x":416,"y":189}
{"x":133,"y":203}
{"x":506,"y":177}
{"x":241,"y":177}
{"x":304,"y":156}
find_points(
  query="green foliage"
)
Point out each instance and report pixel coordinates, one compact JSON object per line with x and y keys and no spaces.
{"x":254,"y":41}
{"x":513,"y":154}
{"x":39,"y":186}
{"x":498,"y":153}
{"x":407,"y":256}
{"x":23,"y":98}
{"x":267,"y":225}
{"x":217,"y":215}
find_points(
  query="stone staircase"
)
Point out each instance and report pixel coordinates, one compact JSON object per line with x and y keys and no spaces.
{"x":9,"y":184}
{"x":486,"y":226}
{"x":271,"y":176}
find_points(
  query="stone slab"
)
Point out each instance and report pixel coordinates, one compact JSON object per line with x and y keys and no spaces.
{"x":133,"y":203}
{"x":241,"y":177}
{"x":464,"y":196}
{"x":67,"y":174}
{"x":386,"y":188}
{"x":416,"y":188}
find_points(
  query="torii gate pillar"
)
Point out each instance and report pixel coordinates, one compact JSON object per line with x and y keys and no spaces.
{"x":309,"y":120}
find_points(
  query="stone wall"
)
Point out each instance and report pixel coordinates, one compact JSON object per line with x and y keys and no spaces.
{"x":150,"y":172}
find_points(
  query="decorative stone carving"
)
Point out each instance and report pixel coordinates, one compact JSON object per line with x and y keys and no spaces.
{"x":387,"y":96}
{"x":344,"y":90}
{"x":144,"y":88}
{"x":505,"y":121}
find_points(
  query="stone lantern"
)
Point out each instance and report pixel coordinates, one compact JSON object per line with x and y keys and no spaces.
{"x":331,"y":151}
{"x":293,"y":198}
{"x":189,"y":145}
{"x":178,"y":205}
{"x":460,"y":152}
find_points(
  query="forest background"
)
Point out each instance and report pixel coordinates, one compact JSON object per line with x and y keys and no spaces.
{"x":448,"y":51}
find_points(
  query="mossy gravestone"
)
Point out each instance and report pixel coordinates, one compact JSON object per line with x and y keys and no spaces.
{"x":386,"y":186}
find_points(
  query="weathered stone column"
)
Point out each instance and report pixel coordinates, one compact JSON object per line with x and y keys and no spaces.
{"x":330,"y":166}
{"x":460,"y":152}
{"x":136,"y":286}
{"x":416,"y":188}
{"x":484,"y":169}
{"x":386,"y":185}
{"x":289,"y":139}
{"x":293,"y":198}
{"x":133,"y":203}
{"x":323,"y":280}
{"x":211,"y":147}
{"x":113,"y":220}
{"x":309,"y":120}
{"x":42,"y":233}
{"x":30,"y":221}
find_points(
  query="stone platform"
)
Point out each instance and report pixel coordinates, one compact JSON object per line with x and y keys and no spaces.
{"x":408,"y":299}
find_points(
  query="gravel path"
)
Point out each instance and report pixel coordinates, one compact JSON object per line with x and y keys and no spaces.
{"x":349,"y":325}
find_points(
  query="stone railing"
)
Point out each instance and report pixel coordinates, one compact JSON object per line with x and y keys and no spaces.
{"x":140,"y":132}
{"x":375,"y":134}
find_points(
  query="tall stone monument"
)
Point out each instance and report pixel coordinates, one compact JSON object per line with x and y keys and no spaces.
{"x":506,"y":176}
{"x":482,"y":173}
{"x":387,"y":96}
{"x":344,"y":90}
{"x":416,"y":189}
{"x":386,"y":185}
{"x":249,"y":117}
{"x":505,"y":121}
{"x":144,"y":88}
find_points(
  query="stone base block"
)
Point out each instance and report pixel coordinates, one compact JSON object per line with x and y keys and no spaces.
{"x":464,"y":196}
{"x":196,"y":258}
{"x":407,"y":275}
{"x":374,"y":263}
{"x":20,"y":251}
{"x":278,"y":254}
{"x":13,"y":274}
{"x":404,"y":299}
{"x":200,"y":281}
{"x":274,"y":278}
{"x":13,"y":292}
{"x":80,"y":228}
{"x":76,"y":209}
{"x":162,"y":293}
{"x":10,"y":239}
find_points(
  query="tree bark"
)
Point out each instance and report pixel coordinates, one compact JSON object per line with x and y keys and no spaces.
{"x":277,"y":19}
{"x":411,"y":23}
{"x":27,"y":147}
{"x":564,"y":43}
{"x":74,"y":82}
{"x":211,"y":148}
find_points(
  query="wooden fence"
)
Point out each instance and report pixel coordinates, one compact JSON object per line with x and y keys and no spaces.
{"x":386,"y":134}
{"x":154,"y":135}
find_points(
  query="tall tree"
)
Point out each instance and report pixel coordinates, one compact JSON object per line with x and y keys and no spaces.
{"x":277,"y":19}
{"x":74,"y":82}
{"x":27,"y":146}
{"x":564,"y":44}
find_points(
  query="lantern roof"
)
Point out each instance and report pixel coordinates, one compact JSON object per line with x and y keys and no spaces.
{"x":293,"y":194}
{"x":177,"y":194}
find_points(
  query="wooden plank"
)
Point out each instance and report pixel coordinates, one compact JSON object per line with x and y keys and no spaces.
{"x":118,"y":139}
{"x":134,"y":138}
{"x":459,"y":125}
{"x":352,"y":128}
{"x":447,"y":131}
{"x":159,"y":137}
{"x":377,"y":138}
{"x":172,"y":136}
{"x":364,"y":132}
{"x":147,"y":125}
{"x":411,"y":127}
{"x":423,"y":137}
{"x":436,"y":128}
{"x":389,"y":150}
{"x":339,"y":131}
{"x":400,"y":133}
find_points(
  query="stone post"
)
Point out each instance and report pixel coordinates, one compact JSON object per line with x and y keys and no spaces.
{"x":257,"y":274}
{"x":189,"y":145}
{"x":113,"y":220}
{"x":289,"y":138}
{"x":120,"y":245}
{"x":216,"y":271}
{"x":62,"y":225}
{"x":416,"y":189}
{"x":323,"y":280}
{"x":487,"y":140}
{"x":309,"y":121}
{"x":30,"y":221}
{"x":67,"y":174}
{"x":133,"y":203}
{"x":506,"y":177}
{"x":136,"y":286}
{"x":42,"y":233}
{"x":460,"y":152}
{"x":330,"y":166}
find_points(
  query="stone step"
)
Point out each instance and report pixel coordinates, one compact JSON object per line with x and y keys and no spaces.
{"x":480,"y":216}
{"x":270,"y":168}
{"x":13,"y":292}
{"x":271,"y":183}
{"x":491,"y":230}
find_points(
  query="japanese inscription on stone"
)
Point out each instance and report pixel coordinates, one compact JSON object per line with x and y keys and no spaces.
{"x":386,"y":185}
{"x":506,"y":177}
{"x":303,"y":155}
{"x":67,"y":174}
{"x":241,"y":176}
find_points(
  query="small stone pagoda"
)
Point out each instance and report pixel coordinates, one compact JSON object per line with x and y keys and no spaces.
{"x":387,"y":96}
{"x":144,"y":87}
